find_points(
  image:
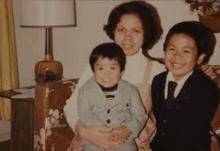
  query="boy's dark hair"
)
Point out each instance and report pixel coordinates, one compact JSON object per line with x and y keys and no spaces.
{"x":110,"y":51}
{"x":148,"y":16}
{"x":204,"y":38}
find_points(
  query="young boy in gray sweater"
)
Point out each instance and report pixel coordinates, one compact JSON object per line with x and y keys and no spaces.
{"x":107,"y":100}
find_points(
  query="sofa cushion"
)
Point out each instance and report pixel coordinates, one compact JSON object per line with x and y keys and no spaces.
{"x":213,"y":71}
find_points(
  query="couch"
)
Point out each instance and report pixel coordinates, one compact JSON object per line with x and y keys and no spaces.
{"x":51,"y":131}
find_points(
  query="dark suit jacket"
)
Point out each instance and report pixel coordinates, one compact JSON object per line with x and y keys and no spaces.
{"x":186,"y":126}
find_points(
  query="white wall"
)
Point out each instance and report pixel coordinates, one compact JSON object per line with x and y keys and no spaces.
{"x":72,"y":46}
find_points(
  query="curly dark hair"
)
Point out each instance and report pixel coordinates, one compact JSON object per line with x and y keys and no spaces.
{"x":147,"y":14}
{"x":203,"y":36}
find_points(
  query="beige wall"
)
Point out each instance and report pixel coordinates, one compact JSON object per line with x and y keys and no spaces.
{"x":72,"y":46}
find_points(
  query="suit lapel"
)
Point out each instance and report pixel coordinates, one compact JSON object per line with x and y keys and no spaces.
{"x":162,"y":88}
{"x":159,"y":103}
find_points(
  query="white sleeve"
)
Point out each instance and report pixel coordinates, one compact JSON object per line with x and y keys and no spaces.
{"x":156,"y":68}
{"x":71,"y":107}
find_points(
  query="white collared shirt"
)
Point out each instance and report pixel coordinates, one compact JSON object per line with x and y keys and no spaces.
{"x":180,"y":83}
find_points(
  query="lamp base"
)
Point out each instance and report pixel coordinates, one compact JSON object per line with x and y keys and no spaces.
{"x":48,"y":70}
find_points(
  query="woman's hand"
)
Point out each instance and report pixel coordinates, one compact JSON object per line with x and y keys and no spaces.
{"x":100,"y":136}
{"x":120,"y":134}
{"x":103,"y":136}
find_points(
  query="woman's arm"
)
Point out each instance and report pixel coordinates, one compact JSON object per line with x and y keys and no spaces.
{"x":103,"y":136}
{"x":71,"y":107}
{"x":155,"y":69}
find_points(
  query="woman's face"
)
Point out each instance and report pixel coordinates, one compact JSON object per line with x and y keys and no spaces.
{"x":129,"y":34}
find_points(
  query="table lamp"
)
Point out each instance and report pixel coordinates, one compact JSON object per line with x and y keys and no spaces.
{"x":48,"y":14}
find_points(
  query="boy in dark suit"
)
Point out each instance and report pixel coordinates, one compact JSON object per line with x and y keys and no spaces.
{"x":184,"y":98}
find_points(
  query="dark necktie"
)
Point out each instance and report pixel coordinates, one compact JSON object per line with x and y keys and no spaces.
{"x":170,"y":98}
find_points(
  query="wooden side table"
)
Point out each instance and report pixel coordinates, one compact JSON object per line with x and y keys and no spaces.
{"x":22,"y":119}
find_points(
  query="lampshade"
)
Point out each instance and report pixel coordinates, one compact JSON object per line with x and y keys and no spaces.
{"x":48,"y":13}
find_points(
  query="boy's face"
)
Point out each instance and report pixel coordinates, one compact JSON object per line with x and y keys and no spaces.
{"x":107,"y":72}
{"x":181,"y":55}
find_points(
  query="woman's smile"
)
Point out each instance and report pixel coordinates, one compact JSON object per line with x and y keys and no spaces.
{"x":127,"y":46}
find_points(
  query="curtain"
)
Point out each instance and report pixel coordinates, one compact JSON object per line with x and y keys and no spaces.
{"x":8,"y":56}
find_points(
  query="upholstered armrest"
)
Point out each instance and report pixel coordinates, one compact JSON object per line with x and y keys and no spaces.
{"x":213,"y":71}
{"x":51,"y":130}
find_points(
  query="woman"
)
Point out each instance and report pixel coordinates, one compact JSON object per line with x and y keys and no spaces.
{"x":135,"y":26}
